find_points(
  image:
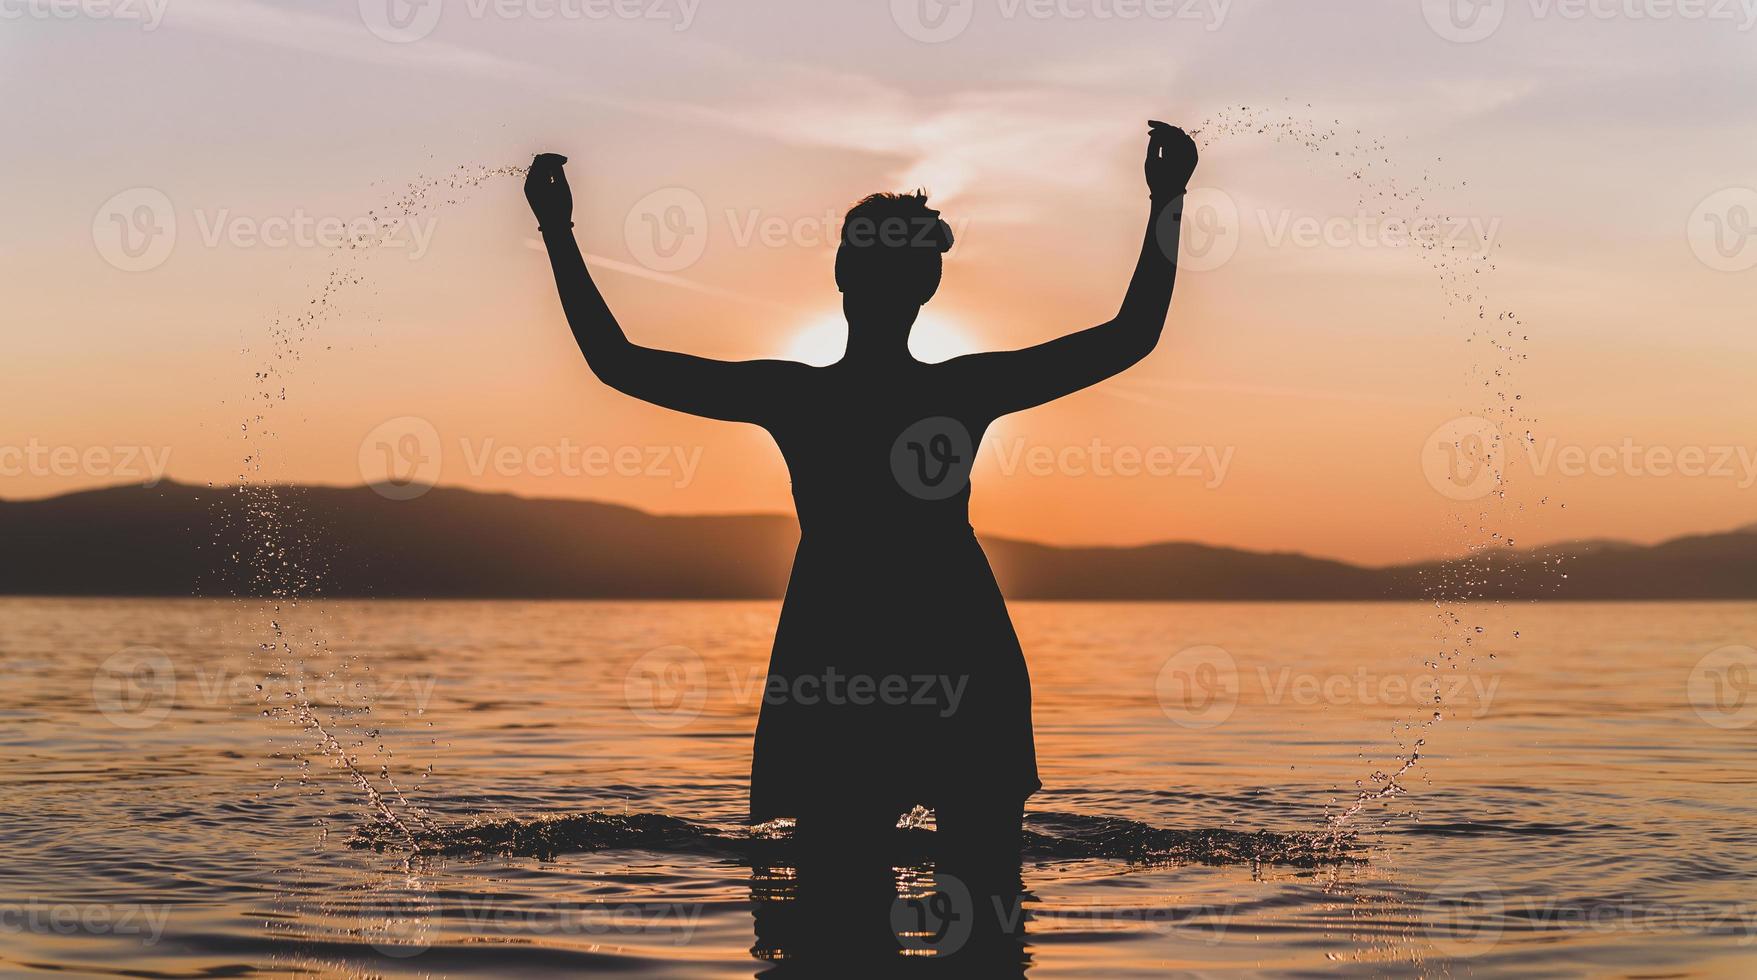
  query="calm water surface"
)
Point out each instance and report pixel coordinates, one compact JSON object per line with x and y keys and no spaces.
{"x":1583,"y":804}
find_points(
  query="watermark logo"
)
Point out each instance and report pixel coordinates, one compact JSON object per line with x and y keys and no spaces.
{"x":1463,"y":458}
{"x":1463,"y":917}
{"x":400,"y":21}
{"x":1198,"y":686}
{"x":933,"y":21}
{"x":1723,"y":230}
{"x":1464,"y":21}
{"x":148,"y":13}
{"x":403,"y":21}
{"x":1210,"y":230}
{"x":1470,"y":457}
{"x":143,"y":923}
{"x":403,"y":458}
{"x":400,"y":458}
{"x":1723,"y":687}
{"x":1209,"y":464}
{"x":667,"y":231}
{"x":136,"y":687}
{"x":666,"y":688}
{"x":935,"y":918}
{"x":1469,"y":21}
{"x":572,"y":460}
{"x":146,"y":464}
{"x":941,"y":692}
{"x":302,"y":229}
{"x":932,"y":458}
{"x":136,"y":229}
{"x":397,"y":920}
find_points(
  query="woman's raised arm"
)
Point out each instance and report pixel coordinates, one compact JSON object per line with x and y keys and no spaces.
{"x":738,"y":391}
{"x":1012,"y":381}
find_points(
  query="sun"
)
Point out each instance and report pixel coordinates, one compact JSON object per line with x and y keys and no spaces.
{"x":822,"y":341}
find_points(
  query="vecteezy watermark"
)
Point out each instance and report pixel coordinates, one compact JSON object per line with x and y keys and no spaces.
{"x":403,"y":458}
{"x":941,"y":692}
{"x":1463,"y":917}
{"x":1209,"y":464}
{"x":136,"y":687}
{"x":383,"y":690}
{"x":1469,"y":457}
{"x":675,"y":921}
{"x":147,"y":464}
{"x":1466,"y":917}
{"x":666,"y":688}
{"x":669,"y":229}
{"x":1464,"y":21}
{"x":934,"y":916}
{"x":1465,"y":693}
{"x":1198,"y":686}
{"x":137,"y":230}
{"x":148,"y":13}
{"x":1212,"y":228}
{"x":400,"y":919}
{"x":1627,"y":457}
{"x":1207,"y":235}
{"x":932,"y":458}
{"x":1289,"y":229}
{"x":935,"y":21}
{"x":1207,"y":923}
{"x":400,"y":457}
{"x":302,"y":229}
{"x":1463,"y":459}
{"x":84,"y":919}
{"x":405,"y":21}
{"x":567,"y":458}
{"x":1723,"y":687}
{"x":396,"y":917}
{"x":1723,"y":230}
{"x":140,"y":686}
{"x":1469,"y":21}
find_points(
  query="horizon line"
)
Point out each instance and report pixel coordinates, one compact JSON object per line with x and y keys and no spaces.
{"x":790,"y":516}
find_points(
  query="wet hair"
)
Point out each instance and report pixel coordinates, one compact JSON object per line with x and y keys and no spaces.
{"x":892,"y":243}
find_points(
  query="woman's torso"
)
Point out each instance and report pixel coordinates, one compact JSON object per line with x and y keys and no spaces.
{"x":880,"y":458}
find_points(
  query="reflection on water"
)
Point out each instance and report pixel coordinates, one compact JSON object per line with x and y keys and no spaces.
{"x":1583,"y":807}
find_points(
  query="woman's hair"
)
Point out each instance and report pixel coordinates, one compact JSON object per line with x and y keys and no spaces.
{"x":892,"y":243}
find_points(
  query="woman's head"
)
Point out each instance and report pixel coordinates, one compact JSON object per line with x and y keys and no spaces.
{"x":891,"y":248}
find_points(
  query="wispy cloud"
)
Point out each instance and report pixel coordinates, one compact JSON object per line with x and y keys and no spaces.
{"x":1001,"y":141}
{"x":668,"y":279}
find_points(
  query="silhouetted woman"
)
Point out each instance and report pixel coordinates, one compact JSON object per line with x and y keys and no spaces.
{"x":896,"y":678}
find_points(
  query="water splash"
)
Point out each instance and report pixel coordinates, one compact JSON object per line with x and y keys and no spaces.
{"x":1495,"y":338}
{"x":1047,"y":836}
{"x":281,"y":557}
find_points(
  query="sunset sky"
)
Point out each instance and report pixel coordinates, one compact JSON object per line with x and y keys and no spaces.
{"x":1295,"y":391}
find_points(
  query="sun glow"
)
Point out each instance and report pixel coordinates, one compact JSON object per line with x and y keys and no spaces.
{"x":822,"y":341}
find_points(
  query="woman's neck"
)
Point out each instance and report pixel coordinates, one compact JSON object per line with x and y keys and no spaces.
{"x":877,"y":347}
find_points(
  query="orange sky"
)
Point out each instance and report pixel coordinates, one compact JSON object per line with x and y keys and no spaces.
{"x":1289,"y":406}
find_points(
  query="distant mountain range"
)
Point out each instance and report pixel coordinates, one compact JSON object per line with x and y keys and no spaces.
{"x":179,"y":540}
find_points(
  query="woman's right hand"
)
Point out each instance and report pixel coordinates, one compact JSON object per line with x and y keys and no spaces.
{"x":547,"y":192}
{"x":1171,"y":160}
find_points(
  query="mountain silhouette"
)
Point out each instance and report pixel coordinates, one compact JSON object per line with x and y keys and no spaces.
{"x":179,"y":540}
